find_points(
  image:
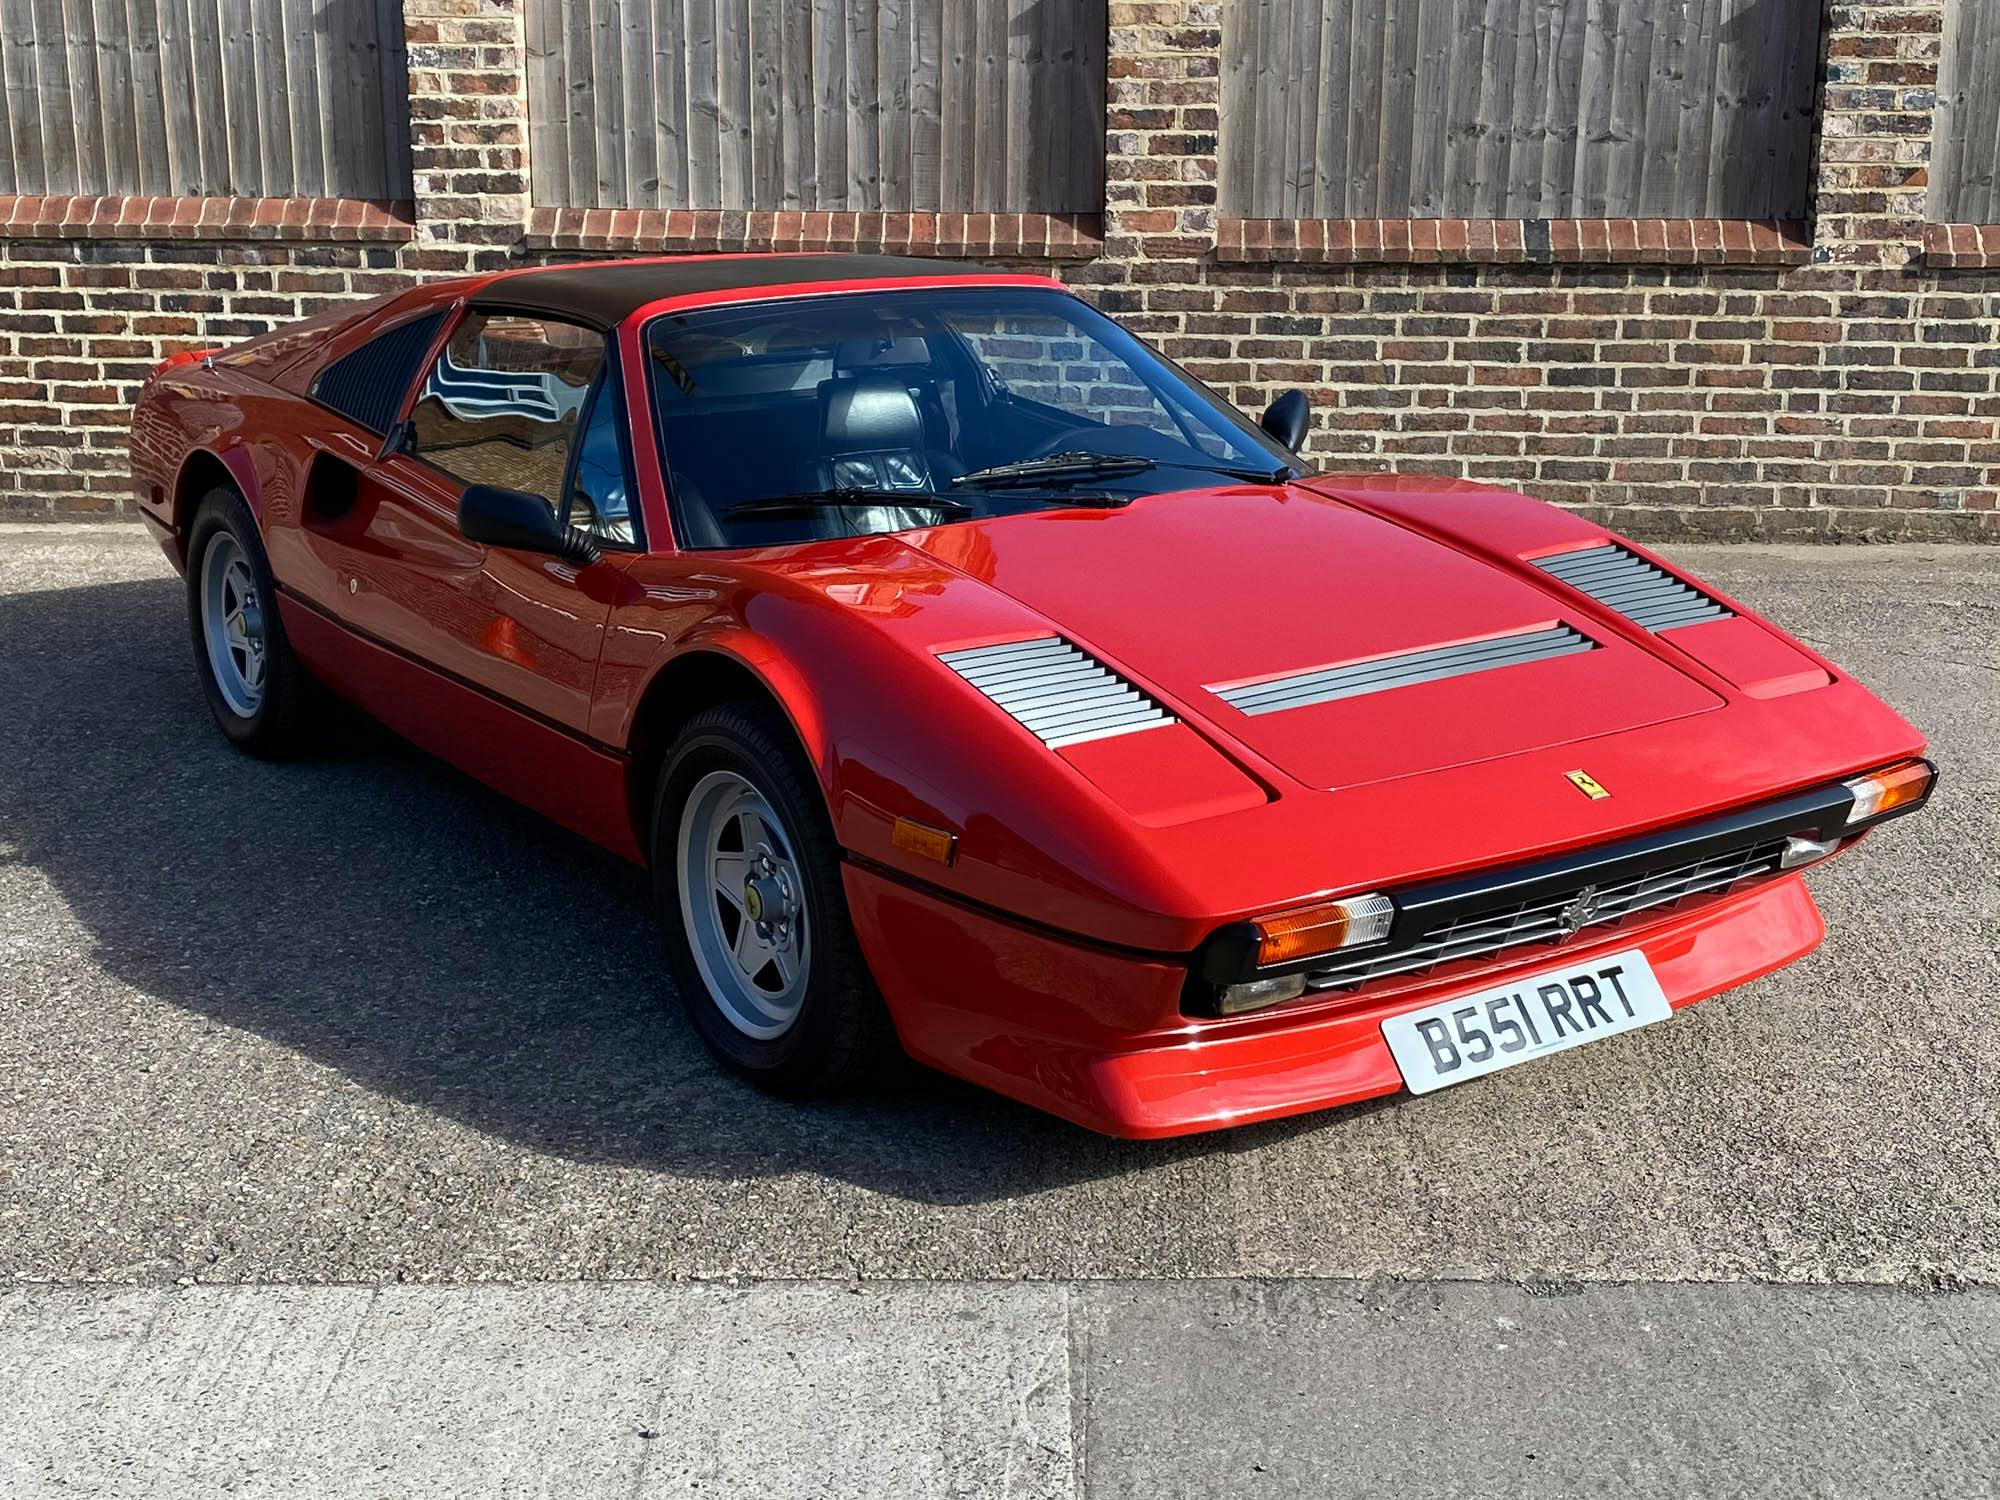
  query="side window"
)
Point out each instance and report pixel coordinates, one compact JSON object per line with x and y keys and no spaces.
{"x":504,"y":401}
{"x":366,"y":384}
{"x":598,"y":500}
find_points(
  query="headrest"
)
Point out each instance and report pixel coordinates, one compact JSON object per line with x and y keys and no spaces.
{"x":874,"y":354}
{"x":869,"y":413}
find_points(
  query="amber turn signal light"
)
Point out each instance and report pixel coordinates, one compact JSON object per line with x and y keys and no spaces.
{"x":1901,"y":785}
{"x":923,"y":840}
{"x":1322,"y":928}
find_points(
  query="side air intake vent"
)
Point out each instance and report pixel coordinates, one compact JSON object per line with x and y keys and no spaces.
{"x":367,"y":384}
{"x":1061,"y":695}
{"x":1379,"y":674}
{"x":1624,"y":581}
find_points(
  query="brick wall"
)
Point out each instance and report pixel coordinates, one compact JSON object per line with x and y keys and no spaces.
{"x":1834,"y":378}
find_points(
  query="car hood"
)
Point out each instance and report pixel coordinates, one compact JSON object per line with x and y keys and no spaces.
{"x":1200,"y":593}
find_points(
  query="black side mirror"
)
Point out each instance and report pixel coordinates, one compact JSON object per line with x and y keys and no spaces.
{"x":521,"y":521}
{"x":1287,"y":418}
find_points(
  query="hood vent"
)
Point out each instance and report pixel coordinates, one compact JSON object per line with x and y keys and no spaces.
{"x":1379,"y":674}
{"x":1061,"y":695}
{"x":1623,"y":581}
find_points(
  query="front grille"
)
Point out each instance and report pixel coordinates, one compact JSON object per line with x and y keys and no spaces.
{"x":1548,"y":918}
{"x":1646,"y":595}
{"x":1061,"y":695}
{"x":1379,"y":674}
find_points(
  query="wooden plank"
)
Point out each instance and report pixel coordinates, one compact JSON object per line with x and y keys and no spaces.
{"x":831,"y":115}
{"x":1797,"y":108}
{"x":1236,"y":137}
{"x":610,"y":118}
{"x":1268,"y":38}
{"x":117,"y":102}
{"x":270,"y":94}
{"x":957,"y":90}
{"x":1696,"y":109}
{"x":1092,"y":72}
{"x":641,"y":124}
{"x":1301,"y":129}
{"x":355,"y":70}
{"x":765,"y":54}
{"x":244,"y":147}
{"x":1596,"y":80}
{"x":1024,"y":65}
{"x":990,"y":166}
{"x":1964,"y":174}
{"x":392,"y":75}
{"x":55,"y":101}
{"x":893,"y":81}
{"x":1560,"y":85}
{"x":704,"y":105}
{"x":88,"y":85}
{"x":926,"y":106}
{"x":1327,"y":194}
{"x":183,"y":141}
{"x":18,"y":101}
{"x":1733,"y":63}
{"x":1979,"y":171}
{"x":1635,"y":29}
{"x":665,"y":24}
{"x":302,"y":100}
{"x":1527,"y":127}
{"x":1365,"y":83}
{"x":801,"y":164}
{"x":548,"y":104}
{"x":580,"y":114}
{"x":1948,"y":132}
{"x":1659,"y":134}
{"x":733,"y":89}
{"x":1972,"y":198}
{"x":1464,"y":63}
{"x":1759,"y":31}
{"x":1399,"y":102}
{"x":1438,"y":26}
{"x":863,"y":109}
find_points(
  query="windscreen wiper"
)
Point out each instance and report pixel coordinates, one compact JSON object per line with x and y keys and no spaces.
{"x":807,"y":501}
{"x":1057,"y":467}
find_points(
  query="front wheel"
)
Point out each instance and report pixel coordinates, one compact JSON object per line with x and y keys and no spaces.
{"x":747,"y":879}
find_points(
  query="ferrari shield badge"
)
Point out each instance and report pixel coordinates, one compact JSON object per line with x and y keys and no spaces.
{"x":1586,"y":783}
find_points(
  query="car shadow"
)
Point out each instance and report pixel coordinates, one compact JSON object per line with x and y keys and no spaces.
{"x":388,"y":917}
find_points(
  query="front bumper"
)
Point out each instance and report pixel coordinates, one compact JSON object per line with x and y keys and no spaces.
{"x":1096,"y":1036}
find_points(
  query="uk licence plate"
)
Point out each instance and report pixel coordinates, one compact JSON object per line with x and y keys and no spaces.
{"x":1472,"y":1035}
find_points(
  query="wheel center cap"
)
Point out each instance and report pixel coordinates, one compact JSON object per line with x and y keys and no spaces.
{"x":763,"y":899}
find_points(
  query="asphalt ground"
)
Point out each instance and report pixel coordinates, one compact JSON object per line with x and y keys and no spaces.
{"x":359,"y":1021}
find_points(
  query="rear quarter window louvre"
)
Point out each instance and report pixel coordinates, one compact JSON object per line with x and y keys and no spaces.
{"x":366,"y":385}
{"x":1625,"y":582}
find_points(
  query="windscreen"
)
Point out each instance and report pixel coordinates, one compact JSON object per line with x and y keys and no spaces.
{"x":832,"y":416}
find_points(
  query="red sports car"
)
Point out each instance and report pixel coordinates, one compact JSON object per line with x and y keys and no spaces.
{"x":973,"y":679}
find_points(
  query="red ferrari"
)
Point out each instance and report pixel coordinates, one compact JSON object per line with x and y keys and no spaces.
{"x":974,"y":680}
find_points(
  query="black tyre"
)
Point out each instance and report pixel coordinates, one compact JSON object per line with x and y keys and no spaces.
{"x":260,"y":695}
{"x":747,"y":878}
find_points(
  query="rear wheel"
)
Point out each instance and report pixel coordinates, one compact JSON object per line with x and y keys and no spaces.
{"x":747,"y":879}
{"x":258,"y":692}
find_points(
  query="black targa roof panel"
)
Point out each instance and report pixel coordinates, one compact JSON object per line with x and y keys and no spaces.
{"x":604,"y":294}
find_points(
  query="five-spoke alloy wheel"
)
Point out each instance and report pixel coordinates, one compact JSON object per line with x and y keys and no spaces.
{"x":750,"y":899}
{"x":744,"y":903}
{"x":259,"y":692}
{"x":232,"y":623}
